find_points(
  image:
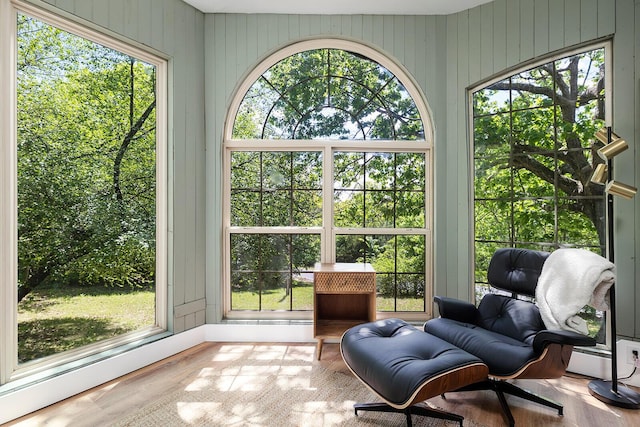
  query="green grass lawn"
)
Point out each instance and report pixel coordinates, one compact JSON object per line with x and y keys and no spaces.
{"x":55,"y":320}
{"x":301,"y":298}
{"x":52,"y":320}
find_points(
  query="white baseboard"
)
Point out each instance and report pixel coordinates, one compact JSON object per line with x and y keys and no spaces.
{"x":267,"y":332}
{"x":39,"y":395}
{"x":590,"y":365}
{"x":600,"y":367}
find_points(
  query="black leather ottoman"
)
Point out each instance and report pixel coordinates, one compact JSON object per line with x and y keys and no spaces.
{"x":405,"y":366}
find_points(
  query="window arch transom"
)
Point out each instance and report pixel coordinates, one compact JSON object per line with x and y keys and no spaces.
{"x":328,"y":93}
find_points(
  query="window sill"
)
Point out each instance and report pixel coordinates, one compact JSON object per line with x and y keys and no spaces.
{"x":27,"y":377}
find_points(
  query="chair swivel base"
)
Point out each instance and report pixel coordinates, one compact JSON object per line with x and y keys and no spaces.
{"x":502,"y":387}
{"x":408,"y":411}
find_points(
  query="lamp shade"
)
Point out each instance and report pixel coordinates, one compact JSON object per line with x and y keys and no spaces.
{"x":611,"y":150}
{"x":620,"y":189}
{"x":599,"y":174}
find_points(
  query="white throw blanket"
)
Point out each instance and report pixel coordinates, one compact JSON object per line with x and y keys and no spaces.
{"x":571,"y":279}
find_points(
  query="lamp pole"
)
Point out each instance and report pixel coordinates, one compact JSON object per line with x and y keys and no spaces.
{"x":609,"y":391}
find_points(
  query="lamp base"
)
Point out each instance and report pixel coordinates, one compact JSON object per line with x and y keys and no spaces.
{"x":624,"y":398}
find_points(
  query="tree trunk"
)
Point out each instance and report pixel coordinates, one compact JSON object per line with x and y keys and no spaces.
{"x":117,"y":164}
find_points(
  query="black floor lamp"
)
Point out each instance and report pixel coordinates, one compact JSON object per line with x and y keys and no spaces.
{"x":610,"y":391}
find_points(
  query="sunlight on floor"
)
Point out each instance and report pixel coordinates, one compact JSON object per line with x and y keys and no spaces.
{"x":191,"y":412}
{"x":255,"y":370}
{"x":262,"y":366}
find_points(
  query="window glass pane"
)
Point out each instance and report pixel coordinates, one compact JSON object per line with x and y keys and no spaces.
{"x":245,"y":208}
{"x":410,"y":169}
{"x":252,"y":114}
{"x":492,"y":179}
{"x":493,"y":220}
{"x":276,"y":189}
{"x":350,"y":248}
{"x":349,"y":208}
{"x":380,"y":171}
{"x":534,"y":220}
{"x":534,"y":130}
{"x":307,"y":170}
{"x":523,"y":98}
{"x":276,"y":205}
{"x":574,"y":228}
{"x":528,"y":177}
{"x":491,"y":101}
{"x":86,"y":145}
{"x":410,"y":209}
{"x":492,"y":136}
{"x":307,"y":208}
{"x":273,"y":271}
{"x":379,"y":207}
{"x":348,"y":170}
{"x":276,"y":170}
{"x":245,"y":170}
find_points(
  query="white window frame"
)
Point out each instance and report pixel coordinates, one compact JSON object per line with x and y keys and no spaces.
{"x":51,"y":365}
{"x":327,"y":232}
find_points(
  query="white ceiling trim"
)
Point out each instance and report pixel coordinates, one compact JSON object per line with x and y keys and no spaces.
{"x":337,"y":7}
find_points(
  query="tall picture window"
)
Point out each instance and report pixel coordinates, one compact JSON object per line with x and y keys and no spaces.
{"x":87,"y":256}
{"x":534,"y":152}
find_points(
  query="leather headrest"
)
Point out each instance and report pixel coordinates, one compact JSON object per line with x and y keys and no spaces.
{"x":516,"y":270}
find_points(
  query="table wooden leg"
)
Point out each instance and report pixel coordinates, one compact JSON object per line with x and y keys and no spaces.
{"x":319,"y":348}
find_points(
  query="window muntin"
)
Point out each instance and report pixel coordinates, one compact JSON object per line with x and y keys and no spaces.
{"x":314,"y":102}
{"x":533,"y":159}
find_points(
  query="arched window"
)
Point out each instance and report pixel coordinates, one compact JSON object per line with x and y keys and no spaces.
{"x":328,"y":159}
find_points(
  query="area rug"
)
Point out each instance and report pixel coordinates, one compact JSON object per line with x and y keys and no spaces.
{"x":278,"y":387}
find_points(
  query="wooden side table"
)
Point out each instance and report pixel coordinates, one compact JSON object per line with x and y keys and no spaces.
{"x":344,"y":295}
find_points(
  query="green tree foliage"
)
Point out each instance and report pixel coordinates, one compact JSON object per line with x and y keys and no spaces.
{"x":328,"y":93}
{"x":86,"y":162}
{"x":534,"y":154}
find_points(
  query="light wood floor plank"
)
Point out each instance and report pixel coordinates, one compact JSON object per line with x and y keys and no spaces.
{"x":105,"y":404}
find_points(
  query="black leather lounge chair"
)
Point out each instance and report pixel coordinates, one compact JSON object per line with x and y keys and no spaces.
{"x":507,"y":333}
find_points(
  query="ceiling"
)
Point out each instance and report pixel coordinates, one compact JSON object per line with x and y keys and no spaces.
{"x":334,"y":7}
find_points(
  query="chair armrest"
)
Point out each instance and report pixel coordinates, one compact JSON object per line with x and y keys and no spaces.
{"x":455,"y":309}
{"x":546,"y":337}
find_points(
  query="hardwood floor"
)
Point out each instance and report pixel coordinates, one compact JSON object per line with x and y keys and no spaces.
{"x":109,"y":402}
